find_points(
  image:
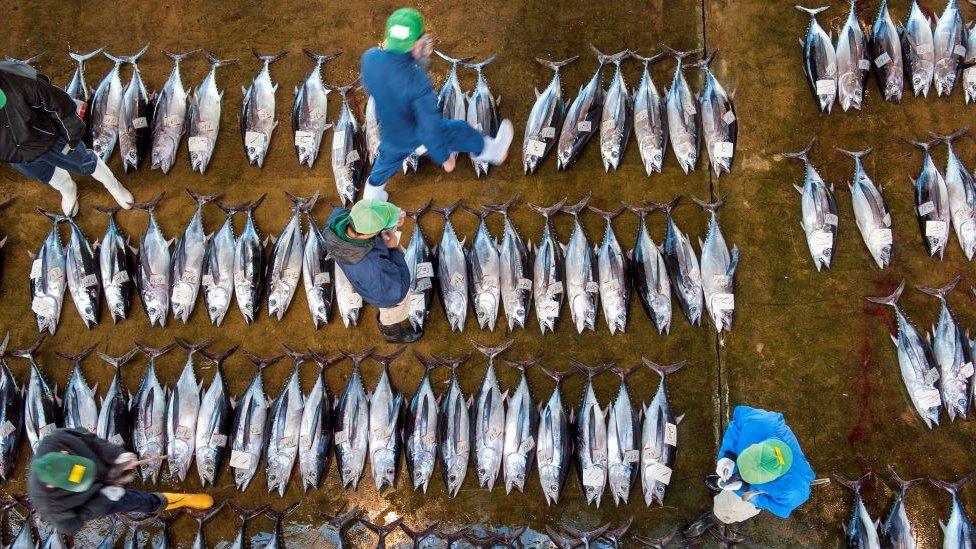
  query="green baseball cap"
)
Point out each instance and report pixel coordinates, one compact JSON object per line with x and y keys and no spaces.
{"x":764,"y":461}
{"x":372,"y":216}
{"x":403,"y":28}
{"x":3,"y":99}
{"x":66,"y":471}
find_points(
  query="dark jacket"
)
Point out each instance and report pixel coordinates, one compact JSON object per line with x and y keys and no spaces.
{"x":406,"y":104}
{"x":68,"y":511}
{"x":37,"y":113}
{"x":379,"y":274}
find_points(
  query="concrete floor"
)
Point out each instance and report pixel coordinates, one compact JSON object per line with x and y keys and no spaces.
{"x":804,"y":343}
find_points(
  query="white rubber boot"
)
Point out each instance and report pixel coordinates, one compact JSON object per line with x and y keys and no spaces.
{"x":105,"y":176}
{"x":496,"y":148}
{"x":375,"y":192}
{"x":62,"y":182}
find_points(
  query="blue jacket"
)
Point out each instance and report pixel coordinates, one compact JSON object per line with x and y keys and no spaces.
{"x":406,"y":105}
{"x":752,"y":425}
{"x":379,"y":274}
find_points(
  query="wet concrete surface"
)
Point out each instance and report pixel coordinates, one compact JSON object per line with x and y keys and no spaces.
{"x":804,"y":343}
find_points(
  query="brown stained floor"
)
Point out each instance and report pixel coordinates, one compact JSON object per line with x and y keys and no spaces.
{"x":805,"y":343}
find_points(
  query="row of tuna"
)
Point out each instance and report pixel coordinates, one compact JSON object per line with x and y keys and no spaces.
{"x":490,"y":274}
{"x":940,"y":202}
{"x":495,"y":430}
{"x":925,"y":49}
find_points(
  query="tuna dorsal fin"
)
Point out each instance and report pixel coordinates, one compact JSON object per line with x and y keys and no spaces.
{"x":154,"y":352}
{"x":219,"y":358}
{"x":663,"y":370}
{"x":194,"y":347}
{"x":890,"y":300}
{"x":296,"y":357}
{"x":320,"y":58}
{"x":262,"y":363}
{"x":492,"y":352}
{"x":548,"y":211}
{"x":942,"y":292}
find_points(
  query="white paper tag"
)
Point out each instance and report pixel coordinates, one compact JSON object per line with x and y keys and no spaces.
{"x":830,"y":219}
{"x":882,"y":60}
{"x":535,"y":148}
{"x":352,"y":156}
{"x":881,"y":237}
{"x":423,"y":284}
{"x":240,"y":460}
{"x":430,"y":439}
{"x":723,"y":302}
{"x":182,"y":293}
{"x":967,"y":229}
{"x":264,"y":113}
{"x":826,"y":87}
{"x":923,"y":48}
{"x":240,"y":279}
{"x":189,"y":276}
{"x":117,"y":439}
{"x":354,"y":300}
{"x":208,"y":280}
{"x":527,"y":444}
{"x":728,"y":117}
{"x":341,"y":437}
{"x":462,"y":447}
{"x":218,"y":440}
{"x":929,"y":398}
{"x":304,"y":139}
{"x":120,"y":277}
{"x":253,"y":139}
{"x":36,"y":268}
{"x":966,"y":370}
{"x":7,"y":428}
{"x":183,"y":432}
{"x":555,"y":289}
{"x":632,"y":456}
{"x":594,"y":476}
{"x":660,"y":472}
{"x":583,"y":126}
{"x":524,"y":284}
{"x":168,"y":120}
{"x":425,"y":270}
{"x":926,"y":208}
{"x":417,"y":301}
{"x":549,"y":132}
{"x":723,"y":149}
{"x":671,"y":433}
{"x":43,"y":306}
{"x":197,"y":144}
{"x":157,"y":280}
{"x":936,"y":229}
{"x":321,"y":278}
{"x":959,"y":50}
{"x":89,"y":280}
{"x":820,"y":241}
{"x":640,"y":115}
{"x":689,"y":105}
{"x":139,"y":123}
{"x":721,"y":280}
{"x":591,"y":287}
{"x":206,"y":126}
{"x":45,"y":430}
{"x":339,"y":140}
{"x":864,"y":64}
{"x":110,"y":120}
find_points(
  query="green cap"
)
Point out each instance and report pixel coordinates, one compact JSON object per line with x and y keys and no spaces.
{"x":65,"y":471}
{"x":3,"y":99}
{"x":403,"y":28}
{"x":764,"y":461}
{"x":372,"y":216}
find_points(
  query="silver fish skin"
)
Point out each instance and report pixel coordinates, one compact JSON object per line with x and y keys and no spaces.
{"x":351,"y":429}
{"x":819,"y":60}
{"x":213,"y":422}
{"x":819,"y":211}
{"x":106,"y":110}
{"x":149,"y":416}
{"x":218,"y":268}
{"x":484,"y":272}
{"x":617,"y":118}
{"x":452,"y":272}
{"x":318,"y":274}
{"x":488,"y":420}
{"x":853,"y":64}
{"x":582,"y":283}
{"x":420,"y":261}
{"x":454,"y":430}
{"x":720,"y":127}
{"x":683,"y":268}
{"x":583,"y":115}
{"x":82,"y":272}
{"x":659,"y":438}
{"x":591,"y":439}
{"x":548,"y":271}
{"x":482,"y":111}
{"x":918,"y":46}
{"x":257,"y":117}
{"x":11,"y":414}
{"x":42,"y":410}
{"x":861,"y":530}
{"x":284,"y":428}
{"x":969,"y":73}
{"x":80,"y":410}
{"x":309,"y":115}
{"x":897,"y":531}
{"x":886,"y":55}
{"x":650,"y":118}
{"x":649,"y":273}
{"x":249,"y":430}
{"x":545,"y":118}
{"x":385,"y":426}
{"x":613,"y":275}
{"x":315,"y":432}
{"x":187,"y":262}
{"x":952,"y":354}
{"x":915,"y":361}
{"x":931,"y":202}
{"x":203,"y":115}
{"x":950,"y":48}
{"x":182,"y":414}
{"x":117,"y":269}
{"x":348,"y":149}
{"x":287,"y":255}
{"x":684,"y":115}
{"x":135,"y":134}
{"x":115,"y":415}
{"x":371,"y":128}
{"x":959,"y":530}
{"x":623,"y":441}
{"x":420,"y":429}
{"x":718,"y":268}
{"x":514,"y":270}
{"x":450,"y":98}
{"x":77,"y":88}
{"x":154,"y":269}
{"x":521,"y":428}
{"x":349,"y":301}
{"x":554,"y":441}
{"x":870,"y":211}
{"x":169,"y":116}
{"x":48,"y":281}
{"x":962,"y":197}
{"x":249,"y":265}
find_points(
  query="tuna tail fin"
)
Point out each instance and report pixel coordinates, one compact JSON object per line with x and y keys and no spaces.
{"x":924,"y":145}
{"x":177,"y":57}
{"x":663,"y":369}
{"x":247,"y":514}
{"x":903,"y":484}
{"x":82,"y":57}
{"x":548,"y":211}
{"x":415,"y":214}
{"x":556,"y":65}
{"x":278,"y":516}
{"x":447,"y":210}
{"x":453,"y":61}
{"x":107,"y":210}
{"x":504,"y":207}
{"x":556,"y":375}
{"x":587,"y":536}
{"x":856,"y":155}
{"x":952,"y":487}
{"x":214,"y":62}
{"x":232,"y":209}
{"x":303,"y":203}
{"x":321,"y":58}
{"x":590,"y":371}
{"x":202,"y":199}
{"x":386,"y":360}
{"x":660,"y":542}
{"x":219,"y":358}
{"x":481,"y":213}
{"x":609,"y":216}
{"x":801,"y":155}
{"x":296,"y":357}
{"x":523,"y":365}
{"x":79,"y":356}
{"x":251,"y":206}
{"x":131,"y":59}
{"x":481,"y":64}
{"x":55,"y":217}
{"x":492,"y":352}
{"x":151,"y":205}
{"x":28,"y":353}
{"x":194,"y":347}
{"x":427,"y":362}
{"x":892,"y":299}
{"x":381,"y":531}
{"x":942,"y":292}
{"x":812,"y":11}
{"x":575,"y":209}
{"x":562,"y":541}
{"x":451,"y":362}
{"x":357,"y":359}
{"x":853,"y":485}
{"x":419,"y":535}
{"x":340,"y":520}
{"x":704,"y":62}
{"x":262,"y":363}
{"x":203,"y":516}
{"x":730,"y":540}
{"x":679,"y":55}
{"x":344,"y":90}
{"x":650,"y":59}
{"x":668,"y":207}
{"x":268,"y":59}
{"x":622,"y":371}
{"x":641,"y":211}
{"x":614,"y":58}
{"x":619,"y":532}
{"x":154,"y":352}
{"x":28,"y":61}
{"x":710,"y":206}
{"x":948,"y":139}
{"x":325,"y":362}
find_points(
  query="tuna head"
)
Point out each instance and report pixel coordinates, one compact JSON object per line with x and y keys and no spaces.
{"x":455,"y":473}
{"x":488,"y":463}
{"x":549,"y":478}
{"x":384,"y":460}
{"x":620,"y":482}
{"x":515,"y":465}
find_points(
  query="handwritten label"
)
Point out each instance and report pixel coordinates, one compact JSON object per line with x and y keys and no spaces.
{"x":304,"y":139}
{"x":820,"y":241}
{"x":535,"y":148}
{"x":423,"y":284}
{"x":863,"y":64}
{"x":936,"y":229}
{"x":240,"y":460}
{"x":723,"y":302}
{"x":339,"y":140}
{"x":528,"y":443}
{"x":168,"y":120}
{"x":549,"y":132}
{"x":457,"y":279}
{"x":182,"y":293}
{"x":594,"y":476}
{"x":881,"y":237}
{"x":157,"y":280}
{"x":826,"y":87}
{"x":583,"y":126}
{"x":218,"y":440}
{"x":321,"y":278}
{"x":929,"y":398}
{"x":120,"y":277}
{"x":352,"y":156}
{"x":959,"y":50}
{"x":254,"y":140}
{"x":591,"y":287}
{"x":660,"y":472}
{"x":723,"y":149}
{"x":670,"y":434}
{"x":524,"y":284}
{"x":882,"y":59}
{"x":728,"y":117}
{"x":36,"y":267}
{"x":923,"y":48}
{"x":139,"y":123}
{"x":966,"y":370}
{"x":425,"y":270}
{"x":43,"y":306}
{"x":354,"y":300}
{"x":183,"y":432}
{"x":198,"y":144}
{"x":926,"y":208}
{"x":830,"y":219}
{"x":341,"y":437}
{"x":631,"y":456}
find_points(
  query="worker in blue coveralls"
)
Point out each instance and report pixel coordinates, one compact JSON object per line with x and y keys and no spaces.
{"x":395,"y":75}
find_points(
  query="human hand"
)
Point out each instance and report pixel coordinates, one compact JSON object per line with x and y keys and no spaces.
{"x":402,"y":218}
{"x":424,"y":47}
{"x":390,"y":238}
{"x":724,"y":468}
{"x":448,"y":165}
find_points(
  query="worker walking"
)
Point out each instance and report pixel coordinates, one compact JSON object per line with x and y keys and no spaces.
{"x":364,"y":243}
{"x":41,"y":136}
{"x":76,"y":477}
{"x":395,"y":75}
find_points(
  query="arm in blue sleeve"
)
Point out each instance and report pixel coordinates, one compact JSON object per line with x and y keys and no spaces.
{"x":429,"y":124}
{"x":783,"y":504}
{"x":391,"y":282}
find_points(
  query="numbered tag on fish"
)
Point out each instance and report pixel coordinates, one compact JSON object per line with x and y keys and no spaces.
{"x":882,"y":60}
{"x":117,"y":439}
{"x":584,"y":126}
{"x":304,"y":139}
{"x":929,"y":398}
{"x":670,"y":434}
{"x":462,"y":447}
{"x":205,"y":126}
{"x":820,"y":241}
{"x":182,"y":293}
{"x":189,"y":276}
{"x":591,"y":287}
{"x":527,"y":444}
{"x":457,"y":279}
{"x":660,"y":472}
{"x":969,"y":76}
{"x":524,"y":284}
{"x":931,"y":376}
{"x":218,"y":440}
{"x":257,"y":430}
{"x":341,"y":437}
{"x":535,"y":148}
{"x":554,"y":289}
{"x":966,"y":370}
{"x":631,"y":456}
{"x":830,"y":219}
{"x":352,"y":156}
{"x":339,"y":140}
{"x":826,"y":87}
{"x":430,"y":439}
{"x":120,"y":277}
{"x":240,"y":279}
{"x":640,"y":115}
{"x":723,"y":149}
{"x":880,"y":237}
{"x":688,"y":102}
{"x":140,"y":122}
{"x":110,"y":120}
{"x":354,"y":300}
{"x":321,"y":278}
{"x":157,"y":280}
{"x":959,"y":50}
{"x":168,"y":120}
{"x":863,"y":64}
{"x":254,"y":140}
{"x":417,"y":301}
{"x":728,"y":117}
{"x":937,"y":229}
{"x":425,"y":270}
{"x":493,"y":433}
{"x":923,"y":49}
{"x":89,"y":280}
{"x":197,"y":144}
{"x":7,"y":428}
{"x":423,"y":284}
{"x":240,"y":460}
{"x":549,"y":132}
{"x":721,"y":280}
{"x":594,"y":476}
{"x":37,"y":266}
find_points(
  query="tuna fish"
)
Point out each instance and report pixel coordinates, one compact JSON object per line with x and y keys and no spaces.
{"x":348,"y":149}
{"x":454,"y":429}
{"x":420,"y":429}
{"x":420,"y":262}
{"x":115,"y":416}
{"x":950,"y":48}
{"x":962,"y":196}
{"x":77,"y":88}
{"x":514,"y":269}
{"x":545,"y":118}
{"x":82,"y":272}
{"x":351,"y":428}
{"x":548,"y":271}
{"x":819,"y":209}
{"x":154,"y":270}
{"x":450,"y":98}
{"x":861,"y":530}
{"x":521,"y":428}
{"x":931,"y":202}
{"x":242,"y":539}
{"x":249,"y":265}
{"x":182,"y":414}
{"x":591,"y":438}
{"x":852,"y":62}
{"x":718,"y":268}
{"x":318,"y":271}
{"x":886,"y":52}
{"x":554,"y":441}
{"x":277,"y":536}
{"x":285,"y":265}
{"x":106,"y":109}
{"x":918,"y":46}
{"x":614,"y":277}
{"x":80,"y":410}
{"x":623,"y":441}
{"x":582,"y":286}
{"x":308,"y":116}
{"x":684,"y":117}
{"x":650,"y":118}
{"x":188,"y":256}
{"x":47,"y":281}
{"x":649,"y":272}
{"x":382,"y":532}
{"x":249,"y":429}
{"x":916,"y":362}
{"x":284,"y":426}
{"x":149,"y":416}
{"x":819,"y":60}
{"x":617,"y":118}
{"x":315,"y":433}
{"x":213,"y":422}
{"x":203,"y":115}
{"x":417,"y":537}
{"x":484,"y":272}
{"x":617,"y":535}
{"x":969,"y":73}
{"x":350,"y":303}
{"x":584,"y":114}
{"x":200,"y":541}
{"x":659,"y":438}
{"x":482,"y":111}
{"x":116,"y":267}
{"x":371,"y":128}
{"x":870,"y":211}
{"x":385,"y":425}
{"x":952,"y":354}
{"x":897,"y":530}
{"x":218,"y":267}
{"x":720,"y":127}
{"x":959,"y":530}
{"x":11,"y":414}
{"x":339,"y":521}
{"x":488,"y":420}
{"x":169,"y":116}
{"x":683,"y":268}
{"x":586,"y":538}
{"x":257,"y":117}
{"x":452,"y":273}
{"x":135,"y":134}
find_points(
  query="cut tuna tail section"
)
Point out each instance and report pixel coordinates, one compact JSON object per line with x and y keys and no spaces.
{"x":609,"y":216}
{"x":452,"y":362}
{"x":504,"y":207}
{"x":668,"y":207}
{"x":154,"y":352}
{"x":952,"y":487}
{"x":151,"y":205}
{"x":948,"y":139}
{"x":214,"y":62}
{"x":321,"y":58}
{"x":415,"y":214}
{"x":55,"y":217}
{"x":590,"y":371}
{"x":856,"y":155}
{"x":853,"y":485}
{"x":262,"y":363}
{"x":614,"y":58}
{"x":617,"y":534}
{"x":641,"y":211}
{"x":657,"y":543}
{"x":130,"y":59}
{"x":481,"y":64}
{"x":326,"y":362}
{"x":279,"y":516}
{"x":890,"y":300}
{"x":381,"y":531}
{"x":480,"y":213}
{"x":803,"y":154}
{"x":903,"y":485}
{"x":812,"y":11}
{"x":303,"y":203}
{"x":492,"y":352}
{"x":680,"y":55}
{"x":942,"y":292}
{"x":358,"y":359}
{"x":556,"y":375}
{"x":107,"y":210}
{"x":704,"y":62}
{"x":548,"y":211}
{"x":663,"y":369}
{"x":561,"y":540}
{"x":523,"y":365}
{"x":556,"y":65}
{"x":203,"y":516}
{"x":428,"y":363}
{"x":344,"y":90}
{"x":453,"y":61}
{"x":622,"y":371}
{"x":650,"y":59}
{"x":268,"y":59}
{"x":82,"y":57}
{"x":587,"y":536}
{"x":219,"y":358}
{"x":924,"y":145}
